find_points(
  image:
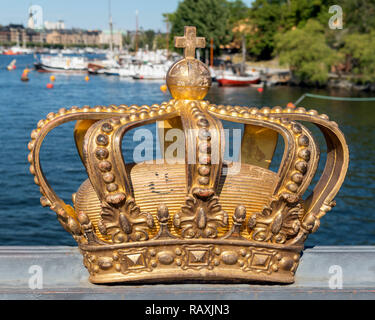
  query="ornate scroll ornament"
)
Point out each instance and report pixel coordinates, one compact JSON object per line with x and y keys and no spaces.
{"x":125,"y":223}
{"x":278,"y":222}
{"x":200,"y":219}
{"x":198,"y":223}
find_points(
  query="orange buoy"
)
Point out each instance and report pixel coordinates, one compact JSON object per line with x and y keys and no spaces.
{"x":290,"y":105}
{"x":163,"y":88}
{"x":260,"y":90}
{"x":49,"y":85}
{"x":52,"y":78}
{"x":24,"y":76}
{"x":87,"y":78}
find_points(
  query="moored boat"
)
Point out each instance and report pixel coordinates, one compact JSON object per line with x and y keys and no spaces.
{"x":108,"y":66}
{"x":129,"y":70}
{"x":14,"y":51}
{"x":151,"y":72}
{"x":229,"y":78}
{"x":61,"y":63}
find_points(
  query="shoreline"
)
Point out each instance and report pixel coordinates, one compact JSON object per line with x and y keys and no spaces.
{"x":275,"y":74}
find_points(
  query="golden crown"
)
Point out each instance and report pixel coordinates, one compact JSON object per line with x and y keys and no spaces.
{"x":163,"y":222}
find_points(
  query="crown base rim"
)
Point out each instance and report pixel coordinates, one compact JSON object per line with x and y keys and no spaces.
{"x":202,"y":260}
{"x":207,"y":277}
{"x":238,"y":242}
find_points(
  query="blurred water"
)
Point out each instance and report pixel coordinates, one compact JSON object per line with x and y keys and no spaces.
{"x":22,"y":105}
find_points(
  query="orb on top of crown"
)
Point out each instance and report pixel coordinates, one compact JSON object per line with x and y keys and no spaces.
{"x":189,"y":78}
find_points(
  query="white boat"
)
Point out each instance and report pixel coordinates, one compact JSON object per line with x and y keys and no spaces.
{"x":108,"y":66}
{"x":129,"y":70}
{"x":62,"y":63}
{"x":67,"y":51}
{"x":153,"y":57}
{"x":115,"y":71}
{"x":152,"y":72}
{"x":213,"y":73}
{"x":54,"y":51}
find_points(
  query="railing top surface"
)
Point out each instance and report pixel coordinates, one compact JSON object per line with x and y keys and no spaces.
{"x":64,"y":277}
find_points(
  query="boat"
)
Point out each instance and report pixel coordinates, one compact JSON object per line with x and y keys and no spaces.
{"x":10,"y":53}
{"x":237,"y":75}
{"x":12,"y":65}
{"x":152,"y":72}
{"x":114,"y":71}
{"x":94,"y":67}
{"x":67,"y":51}
{"x":89,"y":50}
{"x":154,"y":57}
{"x":61,"y":63}
{"x":213,"y":74}
{"x":129,"y":70}
{"x":102,"y":67}
{"x":258,"y":85}
{"x":108,"y":66}
{"x":13,"y":51}
{"x":232,"y":78}
{"x":54,"y":51}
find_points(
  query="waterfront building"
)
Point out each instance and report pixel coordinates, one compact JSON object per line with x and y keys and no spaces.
{"x":16,"y":33}
{"x":73,"y":37}
{"x":59,"y":25}
{"x":55,"y":33}
{"x":105,"y":38}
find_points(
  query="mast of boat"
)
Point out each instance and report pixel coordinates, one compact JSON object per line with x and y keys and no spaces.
{"x":24,"y":38}
{"x":167,"y":38}
{"x":243,"y":55}
{"x":212,"y":52}
{"x":30,"y":24}
{"x":110,"y":27}
{"x":136,"y":31}
{"x":18,"y":39}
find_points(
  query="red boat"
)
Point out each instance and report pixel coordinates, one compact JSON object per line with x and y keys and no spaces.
{"x":228,"y":78}
{"x":14,"y":51}
{"x":10,"y":53}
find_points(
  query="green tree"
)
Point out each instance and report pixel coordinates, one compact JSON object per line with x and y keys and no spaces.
{"x":269,"y":17}
{"x":161,"y":41}
{"x":360,"y":48}
{"x":306,"y":52}
{"x":148,"y":38}
{"x":296,"y":13}
{"x":211,"y":17}
{"x":238,"y":20}
{"x":237,"y":11}
{"x":265,"y":20}
{"x":126,"y":39}
{"x":359,"y":15}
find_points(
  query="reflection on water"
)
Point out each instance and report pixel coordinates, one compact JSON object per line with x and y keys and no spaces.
{"x":22,"y":105}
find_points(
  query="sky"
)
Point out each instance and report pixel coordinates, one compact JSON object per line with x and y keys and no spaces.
{"x":91,"y":14}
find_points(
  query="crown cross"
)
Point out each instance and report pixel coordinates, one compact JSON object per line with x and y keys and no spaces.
{"x":190,"y":42}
